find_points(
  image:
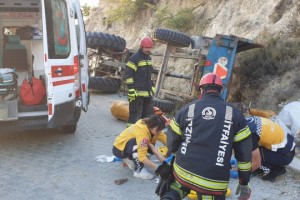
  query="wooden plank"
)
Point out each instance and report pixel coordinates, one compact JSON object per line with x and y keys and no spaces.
{"x":115,"y":64}
{"x":178,"y":96}
{"x":187,"y":51}
{"x":192,"y":57}
{"x":163,"y":69}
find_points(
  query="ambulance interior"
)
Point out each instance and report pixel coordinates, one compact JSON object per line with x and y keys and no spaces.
{"x":21,"y":40}
{"x":21,"y":27}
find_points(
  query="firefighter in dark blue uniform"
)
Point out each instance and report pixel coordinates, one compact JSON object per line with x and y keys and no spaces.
{"x":202,"y":136}
{"x":138,"y":79}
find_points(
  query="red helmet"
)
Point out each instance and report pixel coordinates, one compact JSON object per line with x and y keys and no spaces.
{"x":211,"y":79}
{"x":146,"y":42}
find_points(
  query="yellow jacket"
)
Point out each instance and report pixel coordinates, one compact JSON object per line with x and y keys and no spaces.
{"x":142,"y":134}
{"x":271,"y":135}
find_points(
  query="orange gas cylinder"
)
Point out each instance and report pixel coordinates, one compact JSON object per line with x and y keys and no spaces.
{"x":120,"y":109}
{"x":261,"y":113}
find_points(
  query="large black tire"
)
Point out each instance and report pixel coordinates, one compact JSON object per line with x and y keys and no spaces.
{"x":175,"y":38}
{"x":165,"y":105}
{"x":72,"y":126}
{"x":69,"y":128}
{"x":91,"y":40}
{"x":104,"y":84}
{"x":105,"y":41}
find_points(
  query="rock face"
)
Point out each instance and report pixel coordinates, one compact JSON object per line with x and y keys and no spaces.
{"x":254,"y":19}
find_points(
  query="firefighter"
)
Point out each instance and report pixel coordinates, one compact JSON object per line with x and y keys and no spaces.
{"x":273,"y":147}
{"x":138,"y":79}
{"x":202,"y":136}
{"x":136,"y":141}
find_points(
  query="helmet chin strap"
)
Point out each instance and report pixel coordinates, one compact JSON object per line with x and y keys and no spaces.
{"x":208,"y":91}
{"x":211,"y":91}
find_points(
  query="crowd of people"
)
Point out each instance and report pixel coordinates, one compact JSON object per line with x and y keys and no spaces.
{"x":201,"y":138}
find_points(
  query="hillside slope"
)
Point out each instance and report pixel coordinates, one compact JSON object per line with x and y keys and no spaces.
{"x":257,"y":20}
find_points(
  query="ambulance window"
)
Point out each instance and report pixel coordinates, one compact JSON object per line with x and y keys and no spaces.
{"x":58,"y":32}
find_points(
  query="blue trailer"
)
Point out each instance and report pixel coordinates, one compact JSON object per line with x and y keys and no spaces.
{"x":215,"y":55}
{"x":221,"y":56}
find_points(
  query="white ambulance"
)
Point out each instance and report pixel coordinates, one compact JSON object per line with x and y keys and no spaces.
{"x":44,"y":39}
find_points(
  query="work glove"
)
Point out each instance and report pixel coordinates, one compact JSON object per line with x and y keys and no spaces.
{"x":244,"y":191}
{"x":165,"y":171}
{"x":131,"y":94}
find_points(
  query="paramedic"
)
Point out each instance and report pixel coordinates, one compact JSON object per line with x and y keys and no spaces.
{"x":135,"y":141}
{"x":273,"y":147}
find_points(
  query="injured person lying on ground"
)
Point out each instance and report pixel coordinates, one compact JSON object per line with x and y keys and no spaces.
{"x":273,"y":147}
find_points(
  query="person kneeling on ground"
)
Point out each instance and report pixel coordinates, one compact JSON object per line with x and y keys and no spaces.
{"x":133,"y":144}
{"x":273,"y":147}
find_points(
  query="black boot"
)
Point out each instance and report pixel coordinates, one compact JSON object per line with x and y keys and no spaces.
{"x":258,"y":172}
{"x":274,"y":173}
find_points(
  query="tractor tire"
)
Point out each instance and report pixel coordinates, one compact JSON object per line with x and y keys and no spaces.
{"x":105,"y":41}
{"x":165,"y":105}
{"x":91,"y":40}
{"x":175,"y":38}
{"x":104,"y":84}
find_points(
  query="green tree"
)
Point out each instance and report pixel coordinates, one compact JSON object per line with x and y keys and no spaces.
{"x":86,"y":10}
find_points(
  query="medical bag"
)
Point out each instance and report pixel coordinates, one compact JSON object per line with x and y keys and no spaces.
{"x":32,"y":91}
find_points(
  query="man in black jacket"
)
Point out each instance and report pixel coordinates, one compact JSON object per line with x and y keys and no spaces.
{"x":202,"y":136}
{"x":138,"y":79}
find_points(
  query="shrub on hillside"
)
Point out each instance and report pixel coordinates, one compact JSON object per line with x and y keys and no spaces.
{"x":274,"y":59}
{"x":268,"y":76}
{"x":126,"y":10}
{"x":183,"y":20}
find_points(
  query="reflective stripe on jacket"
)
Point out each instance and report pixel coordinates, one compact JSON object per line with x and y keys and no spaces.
{"x":138,"y":74}
{"x":202,"y":135}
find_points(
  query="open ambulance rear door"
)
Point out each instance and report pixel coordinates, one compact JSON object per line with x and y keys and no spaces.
{"x":61,"y":60}
{"x":83,"y":59}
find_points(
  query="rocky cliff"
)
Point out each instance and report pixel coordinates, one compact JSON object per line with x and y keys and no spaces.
{"x":256,"y":19}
